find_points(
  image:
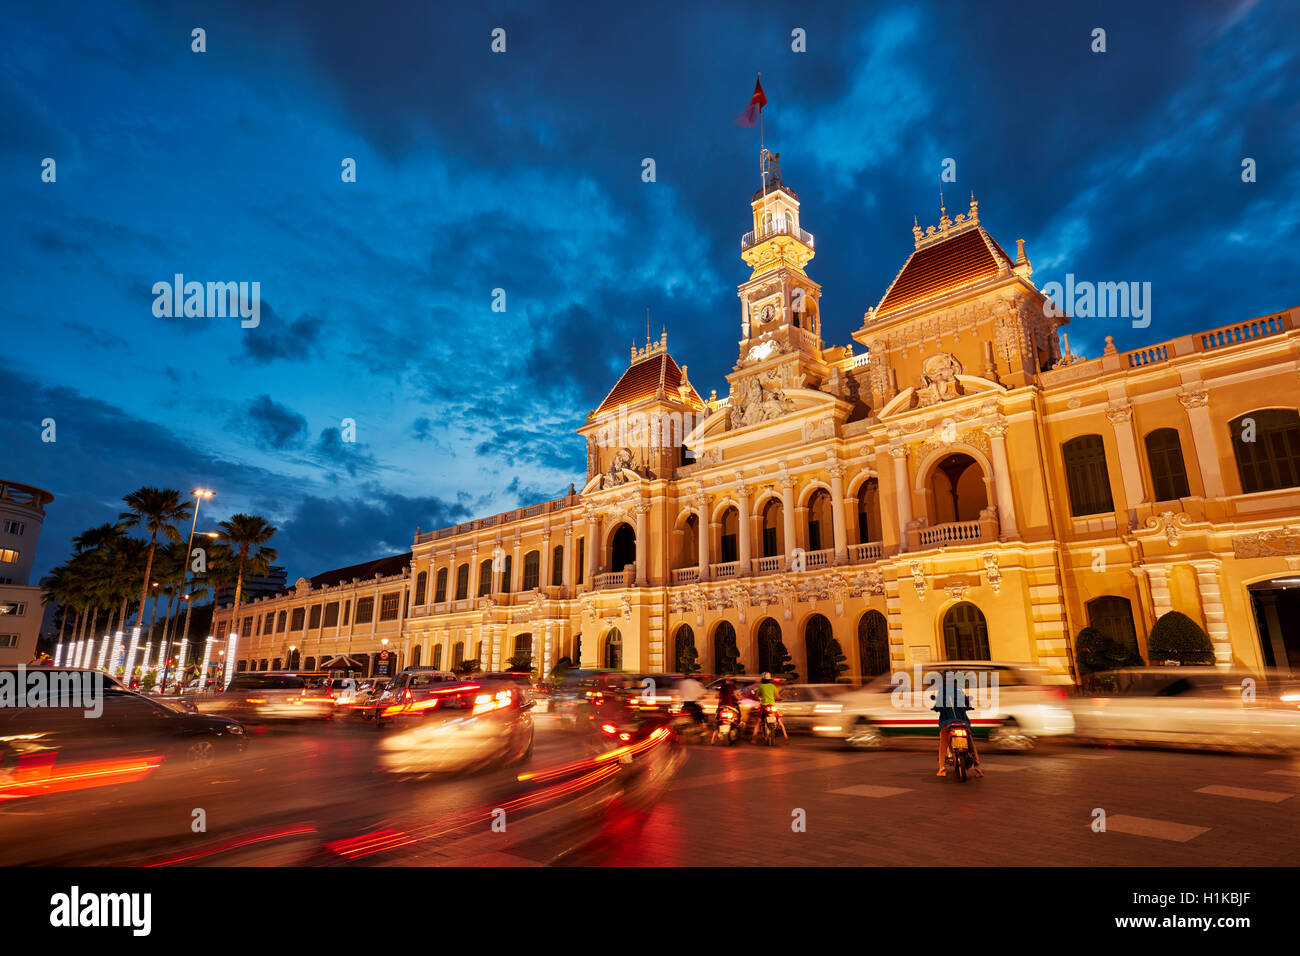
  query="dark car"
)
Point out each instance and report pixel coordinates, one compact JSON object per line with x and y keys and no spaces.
{"x":48,"y":749}
{"x":582,"y":695}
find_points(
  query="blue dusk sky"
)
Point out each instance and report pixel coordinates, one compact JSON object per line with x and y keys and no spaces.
{"x":522,"y":171}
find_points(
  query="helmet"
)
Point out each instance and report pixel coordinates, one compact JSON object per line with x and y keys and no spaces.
{"x":766,"y":676}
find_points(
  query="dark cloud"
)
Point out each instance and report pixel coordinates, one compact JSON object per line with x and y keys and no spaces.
{"x":274,"y":338}
{"x":274,"y":425}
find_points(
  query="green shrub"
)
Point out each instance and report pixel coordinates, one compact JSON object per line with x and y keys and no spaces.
{"x":1176,"y":637}
{"x":1096,"y":650}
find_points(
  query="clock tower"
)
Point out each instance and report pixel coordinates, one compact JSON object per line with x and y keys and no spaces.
{"x":779,"y":304}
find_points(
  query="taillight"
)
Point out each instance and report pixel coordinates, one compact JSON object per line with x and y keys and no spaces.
{"x":255,"y":700}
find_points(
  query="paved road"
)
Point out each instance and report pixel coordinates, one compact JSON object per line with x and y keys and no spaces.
{"x":737,"y":806}
{"x":317,"y":796}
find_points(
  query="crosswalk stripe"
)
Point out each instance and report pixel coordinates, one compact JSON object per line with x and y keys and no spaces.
{"x":1264,"y":796}
{"x":1159,"y":829}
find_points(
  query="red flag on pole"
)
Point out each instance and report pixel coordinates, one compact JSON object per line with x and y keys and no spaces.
{"x":751,"y":113}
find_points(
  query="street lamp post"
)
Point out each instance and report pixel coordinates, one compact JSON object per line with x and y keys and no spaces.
{"x":199,"y":495}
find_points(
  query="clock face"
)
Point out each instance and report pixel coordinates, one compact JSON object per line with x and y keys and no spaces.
{"x":767,"y":314}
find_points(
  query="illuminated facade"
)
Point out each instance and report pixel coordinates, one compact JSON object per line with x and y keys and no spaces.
{"x":960,"y":486}
{"x":22,"y":512}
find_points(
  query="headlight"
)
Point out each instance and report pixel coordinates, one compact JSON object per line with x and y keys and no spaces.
{"x":235,"y":729}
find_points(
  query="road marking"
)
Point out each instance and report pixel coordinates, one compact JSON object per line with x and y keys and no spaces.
{"x":1265,"y":796}
{"x":867,"y":790}
{"x":1160,"y":829}
{"x":1286,"y":773}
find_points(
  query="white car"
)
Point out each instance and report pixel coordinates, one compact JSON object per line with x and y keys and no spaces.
{"x":1193,"y":706}
{"x":1014,"y":706}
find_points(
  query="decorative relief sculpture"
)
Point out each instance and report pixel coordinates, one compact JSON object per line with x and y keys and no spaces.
{"x":1267,"y":544}
{"x":940,"y":372}
{"x":758,"y":399}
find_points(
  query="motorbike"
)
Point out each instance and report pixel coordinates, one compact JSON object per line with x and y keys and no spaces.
{"x":687,"y":721}
{"x":960,"y":757}
{"x":769,"y":722}
{"x":728,"y":725}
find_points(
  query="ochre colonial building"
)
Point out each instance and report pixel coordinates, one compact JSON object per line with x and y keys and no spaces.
{"x":955,"y":486}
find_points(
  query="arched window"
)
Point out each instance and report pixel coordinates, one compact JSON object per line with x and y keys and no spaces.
{"x":1086,"y":475}
{"x":440,"y":586}
{"x":421,"y":586}
{"x":685,"y":656}
{"x":773,"y":528}
{"x":437,"y":656}
{"x":523,"y":651}
{"x":729,"y":549}
{"x":820,"y":523}
{"x":462,"y":582}
{"x":415,"y":656}
{"x":532,"y":570}
{"x":557,"y":565}
{"x":1113,"y":616}
{"x":726,"y":655}
{"x":1165,"y":458}
{"x":485,"y":577}
{"x":965,"y":633}
{"x":873,"y":643}
{"x":818,"y":637}
{"x":957,"y":489}
{"x":1267,"y":446}
{"x":869,"y":511}
{"x":769,"y":636}
{"x":690,"y":545}
{"x":622,"y":548}
{"x":614,"y":649}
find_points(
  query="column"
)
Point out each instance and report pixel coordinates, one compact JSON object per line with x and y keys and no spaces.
{"x":702,"y":530}
{"x":837,"y":514}
{"x":1196,"y":401}
{"x":997,"y":432}
{"x":593,"y":548}
{"x":547,"y":647}
{"x":1120,"y":415}
{"x":516,"y":568}
{"x":544,"y":570}
{"x":745,"y":523}
{"x":1216,"y":619}
{"x":642,"y":544}
{"x":566,"y":564}
{"x":787,"y":519}
{"x":902,"y":493}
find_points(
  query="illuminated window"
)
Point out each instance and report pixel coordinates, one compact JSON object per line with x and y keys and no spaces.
{"x":13,"y":608}
{"x":485,"y":577}
{"x":365,"y":610}
{"x":8,"y":555}
{"x":532,"y":570}
{"x":462,"y":582}
{"x":421,"y":586}
{"x":388,"y":606}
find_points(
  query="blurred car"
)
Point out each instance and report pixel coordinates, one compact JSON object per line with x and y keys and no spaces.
{"x":659,"y":692}
{"x":49,"y":749}
{"x":260,"y":696}
{"x":369,"y":689}
{"x":1193,"y":706}
{"x":1021,"y":708}
{"x":803,"y":705}
{"x":344,"y":690}
{"x":582,"y":694}
{"x":412,"y":685}
{"x":467,"y":725}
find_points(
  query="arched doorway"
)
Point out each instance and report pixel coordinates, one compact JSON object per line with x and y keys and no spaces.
{"x":726,"y":654}
{"x":869,"y":527}
{"x":614,"y":649}
{"x":729,"y":539}
{"x":685,"y":656}
{"x":957,"y":491}
{"x":622,"y":547}
{"x":821,"y":524}
{"x":818,"y":642}
{"x":773,"y":529}
{"x":769,"y":637}
{"x":873,"y":644}
{"x":965,"y":633}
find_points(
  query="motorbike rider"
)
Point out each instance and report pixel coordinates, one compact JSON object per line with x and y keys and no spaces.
{"x":691,"y":691}
{"x":766,"y":698}
{"x":727,"y":696}
{"x":954,"y":708}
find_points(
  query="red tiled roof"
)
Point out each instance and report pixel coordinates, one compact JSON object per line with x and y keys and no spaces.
{"x":962,"y":260}
{"x":365,"y":571}
{"x":643,"y":380}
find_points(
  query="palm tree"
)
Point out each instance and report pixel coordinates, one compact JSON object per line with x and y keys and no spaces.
{"x":246,"y":536}
{"x":157,"y":511}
